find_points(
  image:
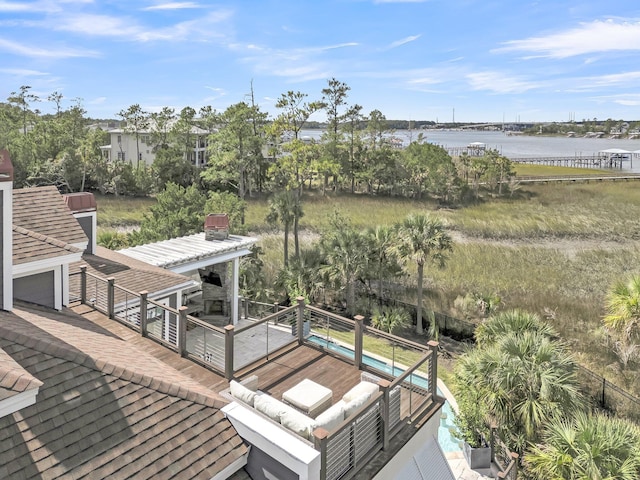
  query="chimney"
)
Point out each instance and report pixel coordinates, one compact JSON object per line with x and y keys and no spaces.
{"x":6,"y":231}
{"x":216,"y":226}
{"x":83,"y":207}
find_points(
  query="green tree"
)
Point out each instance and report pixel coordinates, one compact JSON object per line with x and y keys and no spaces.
{"x":587,"y":447}
{"x":302,"y":277}
{"x":178,"y":211}
{"x":622,"y":317}
{"x":137,"y":121}
{"x":226,"y":202}
{"x":390,"y":319}
{"x":235,"y":150}
{"x":346,"y":257}
{"x":511,"y":321}
{"x":383,"y":264}
{"x":334,"y":98}
{"x":422,"y":239}
{"x":524,"y":378}
{"x":283,"y":208}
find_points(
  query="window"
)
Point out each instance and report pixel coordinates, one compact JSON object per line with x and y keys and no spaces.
{"x":119,"y":138}
{"x":121,"y":156}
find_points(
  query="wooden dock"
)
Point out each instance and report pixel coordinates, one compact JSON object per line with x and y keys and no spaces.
{"x":576,"y":178}
{"x":582,"y":161}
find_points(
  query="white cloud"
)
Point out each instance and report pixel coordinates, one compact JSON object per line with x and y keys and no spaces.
{"x":625,"y":99}
{"x":403,"y":41}
{"x":615,"y":79}
{"x":28,"y":51}
{"x":597,"y":36}
{"x":498,"y":82}
{"x":400,"y":1}
{"x":173,"y":6}
{"x":23,"y":72}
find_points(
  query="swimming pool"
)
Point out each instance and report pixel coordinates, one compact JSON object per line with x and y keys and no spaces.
{"x":447,"y":441}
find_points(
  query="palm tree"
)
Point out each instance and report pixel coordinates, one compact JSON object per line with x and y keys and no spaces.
{"x":383,"y":264}
{"x":283,"y":208}
{"x":390,"y":319}
{"x":346,"y":259}
{"x":623,"y":309}
{"x":511,"y":321}
{"x":422,"y":238}
{"x":587,"y":447}
{"x":525,"y":379}
{"x":302,"y":276}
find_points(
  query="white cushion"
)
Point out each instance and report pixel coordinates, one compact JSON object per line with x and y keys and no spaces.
{"x":297,"y":422}
{"x":241,"y":392}
{"x":307,"y":395}
{"x":271,"y":407}
{"x":355,"y":404}
{"x":332,"y":417}
{"x":360,"y":389}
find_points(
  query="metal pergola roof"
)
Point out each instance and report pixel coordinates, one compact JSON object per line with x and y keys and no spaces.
{"x":185,"y":254}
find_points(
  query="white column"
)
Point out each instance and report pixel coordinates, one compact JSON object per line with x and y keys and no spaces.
{"x":6,"y":190}
{"x":235,"y":293}
{"x":57,"y":288}
{"x":65,"y":284}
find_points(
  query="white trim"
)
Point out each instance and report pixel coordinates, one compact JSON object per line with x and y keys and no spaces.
{"x":213,"y":260}
{"x":235,"y":290}
{"x":7,"y":242}
{"x":17,"y":402}
{"x":65,"y":285}
{"x":28,"y":268}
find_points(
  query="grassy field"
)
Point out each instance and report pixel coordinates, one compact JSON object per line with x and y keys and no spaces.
{"x":550,"y":249}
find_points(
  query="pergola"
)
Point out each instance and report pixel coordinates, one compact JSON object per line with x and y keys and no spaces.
{"x":186,"y":255}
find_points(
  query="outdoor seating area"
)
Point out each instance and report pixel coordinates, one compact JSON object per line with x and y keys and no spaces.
{"x":308,"y":405}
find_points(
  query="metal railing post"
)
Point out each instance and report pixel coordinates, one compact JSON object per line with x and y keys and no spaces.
{"x":182,"y":330}
{"x":228,"y":351}
{"x":83,"y":284}
{"x":433,"y":368}
{"x":359,"y":334}
{"x":111,"y":294}
{"x":300,"y":316}
{"x":143,"y":313}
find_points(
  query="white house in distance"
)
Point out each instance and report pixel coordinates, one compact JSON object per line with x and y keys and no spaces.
{"x":122,"y":146}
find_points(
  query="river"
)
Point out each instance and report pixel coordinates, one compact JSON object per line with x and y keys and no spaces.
{"x":517,"y":146}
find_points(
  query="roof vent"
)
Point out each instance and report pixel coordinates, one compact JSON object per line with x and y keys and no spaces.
{"x":216,"y":226}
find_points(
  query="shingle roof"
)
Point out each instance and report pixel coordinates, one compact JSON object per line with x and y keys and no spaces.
{"x":13,"y":378}
{"x":43,"y":210}
{"x":29,"y":246}
{"x":106,"y":409}
{"x":129,"y":273}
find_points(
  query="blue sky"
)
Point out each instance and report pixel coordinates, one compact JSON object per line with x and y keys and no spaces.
{"x":484,"y":60}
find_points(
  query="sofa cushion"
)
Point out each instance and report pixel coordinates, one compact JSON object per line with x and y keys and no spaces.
{"x":355,"y":404}
{"x":241,"y":393}
{"x":297,"y":422}
{"x":332,"y":417}
{"x":271,"y":407}
{"x":361,"y":388}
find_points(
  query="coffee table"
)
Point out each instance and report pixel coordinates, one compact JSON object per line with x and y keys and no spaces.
{"x":309,"y":397}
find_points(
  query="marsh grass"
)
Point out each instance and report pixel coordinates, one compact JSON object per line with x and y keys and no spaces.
{"x":114,"y":212}
{"x":526,"y":170}
{"x":539,"y":251}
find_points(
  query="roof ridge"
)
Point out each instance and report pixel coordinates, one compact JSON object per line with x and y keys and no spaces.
{"x":45,"y":238}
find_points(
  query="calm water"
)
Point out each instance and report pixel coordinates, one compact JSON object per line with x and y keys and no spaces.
{"x":514,"y":146}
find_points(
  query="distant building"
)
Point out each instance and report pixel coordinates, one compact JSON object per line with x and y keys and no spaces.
{"x":124,"y":147}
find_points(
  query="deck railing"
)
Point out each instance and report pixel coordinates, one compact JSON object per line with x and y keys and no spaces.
{"x":407,"y":371}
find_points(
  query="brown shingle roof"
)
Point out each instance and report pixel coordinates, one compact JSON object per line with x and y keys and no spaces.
{"x":29,"y":246}
{"x":13,"y":378}
{"x":106,"y":409}
{"x":128,"y":273}
{"x":43,"y":210}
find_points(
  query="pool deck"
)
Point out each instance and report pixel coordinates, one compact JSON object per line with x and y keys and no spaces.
{"x":457,"y":463}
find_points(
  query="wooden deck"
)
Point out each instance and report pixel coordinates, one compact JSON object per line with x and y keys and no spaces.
{"x":275,"y":375}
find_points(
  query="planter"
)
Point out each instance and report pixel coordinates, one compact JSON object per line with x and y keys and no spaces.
{"x":477,"y":457}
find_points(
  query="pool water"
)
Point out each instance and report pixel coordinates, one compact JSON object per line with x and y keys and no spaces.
{"x":447,"y":441}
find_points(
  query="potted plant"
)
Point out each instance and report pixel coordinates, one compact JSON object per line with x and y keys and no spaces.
{"x":471,"y":428}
